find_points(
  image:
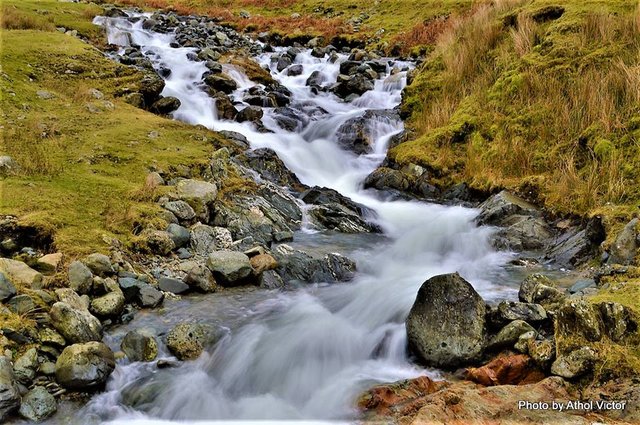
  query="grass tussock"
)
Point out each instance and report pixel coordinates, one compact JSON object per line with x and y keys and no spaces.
{"x":510,"y":99}
{"x":12,"y":18}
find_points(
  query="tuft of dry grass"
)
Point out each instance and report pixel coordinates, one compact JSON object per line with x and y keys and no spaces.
{"x":14,"y":19}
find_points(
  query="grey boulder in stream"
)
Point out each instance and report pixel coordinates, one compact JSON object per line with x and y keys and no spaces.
{"x":446,"y":325}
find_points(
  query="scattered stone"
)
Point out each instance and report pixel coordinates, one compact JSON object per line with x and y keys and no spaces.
{"x":542,"y":351}
{"x":139,"y":347}
{"x":199,"y":277}
{"x":159,"y":242}
{"x":51,"y":337}
{"x":250,"y":113}
{"x":510,"y":334}
{"x":109,"y":305}
{"x":446,"y":325}
{"x":49,"y":263}
{"x":99,"y":264}
{"x":175,"y":286}
{"x":579,"y":318}
{"x":179,"y":235}
{"x":221,"y":82}
{"x":84,"y":366}
{"x":38,"y":404}
{"x":182,"y":210}
{"x":25,"y":366}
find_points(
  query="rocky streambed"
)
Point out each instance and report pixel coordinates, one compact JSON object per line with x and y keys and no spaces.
{"x":286,"y":297}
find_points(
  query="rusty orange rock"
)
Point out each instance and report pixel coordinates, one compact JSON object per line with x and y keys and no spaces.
{"x":506,"y":370}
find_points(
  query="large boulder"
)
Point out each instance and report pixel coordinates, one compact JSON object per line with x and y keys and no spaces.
{"x":446,"y":325}
{"x":9,"y":392}
{"x":578,"y":245}
{"x":230,"y":268}
{"x":297,"y":266}
{"x":76,"y":324}
{"x":85,"y":366}
{"x":165,"y":105}
{"x":266,"y":162}
{"x":20,"y":274}
{"x":38,"y":404}
{"x":384,"y":178}
{"x":221,"y":82}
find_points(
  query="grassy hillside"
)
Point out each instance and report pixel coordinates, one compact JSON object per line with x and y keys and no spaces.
{"x":82,"y":160}
{"x":537,"y":97}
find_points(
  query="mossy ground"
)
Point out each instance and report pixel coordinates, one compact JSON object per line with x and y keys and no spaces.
{"x":83,"y":160}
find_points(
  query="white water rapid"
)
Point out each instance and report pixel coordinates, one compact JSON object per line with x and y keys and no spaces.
{"x":306,"y":354}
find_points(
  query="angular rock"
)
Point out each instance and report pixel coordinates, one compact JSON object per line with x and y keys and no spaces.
{"x":616,"y":320}
{"x":76,"y":325}
{"x":139,"y":347}
{"x":26,"y":365}
{"x":84,"y":366}
{"x":383,"y":178}
{"x":446,"y":325}
{"x":358,"y":134}
{"x":510,"y":334}
{"x":199,"y":277}
{"x":165,"y":105}
{"x":38,"y":404}
{"x":182,"y":210}
{"x":262,"y":263}
{"x":543,"y":352}
{"x":206,"y":239}
{"x":266,"y":162}
{"x":20,"y":274}
{"x":229,"y":268}
{"x":250,"y":113}
{"x":508,"y":311}
{"x":7,"y":290}
{"x":80,"y":277}
{"x":579,"y":318}
{"x":49,"y":263}
{"x":298,"y":266}
{"x":221,"y":82}
{"x":21,"y":304}
{"x":174,"y":286}
{"x":159,"y":242}
{"x":575,"y":364}
{"x":625,"y":247}
{"x":51,"y":337}
{"x":202,"y":191}
{"x":9,"y":393}
{"x":179,"y":235}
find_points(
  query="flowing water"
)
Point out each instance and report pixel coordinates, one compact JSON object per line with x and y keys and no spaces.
{"x":303,"y":354}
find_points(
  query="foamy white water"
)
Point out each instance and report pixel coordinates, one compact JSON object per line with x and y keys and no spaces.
{"x":306,"y":355}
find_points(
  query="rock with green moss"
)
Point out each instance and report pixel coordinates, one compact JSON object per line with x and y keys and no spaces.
{"x":543,"y":352}
{"x":574,"y":364}
{"x":108,"y":305}
{"x":625,"y":247}
{"x":199,"y":277}
{"x":186,"y":341}
{"x":158,"y":241}
{"x":75,"y":324}
{"x":38,"y":404}
{"x":230,"y":268}
{"x":537,"y":288}
{"x":85,"y":366}
{"x":510,"y":334}
{"x":139,"y":347}
{"x":99,"y":264}
{"x":206,"y":239}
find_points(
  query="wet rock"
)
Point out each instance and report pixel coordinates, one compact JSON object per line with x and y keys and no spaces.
{"x":165,"y":105}
{"x":237,"y":138}
{"x":109,"y":305}
{"x":294,"y":70}
{"x":9,"y":393}
{"x":505,"y":370}
{"x":575,"y":364}
{"x":186,"y":341}
{"x":323,"y":196}
{"x":446,"y":325}
{"x":352,"y":85}
{"x":38,"y":404}
{"x":624,"y":249}
{"x":283,"y":62}
{"x":270,"y":279}
{"x":99,"y":264}
{"x":266,"y":162}
{"x":179,"y":235}
{"x":384,"y":178}
{"x":229,"y":268}
{"x":225,"y":108}
{"x":139,"y":347}
{"x":149,"y":297}
{"x":250,"y":113}
{"x":84,"y":366}
{"x":336,"y":217}
{"x":7,"y":290}
{"x":25,"y":366}
{"x":221,"y":82}
{"x":80,"y":277}
{"x":206,"y":239}
{"x":150,"y":87}
{"x":114,"y":12}
{"x":298,"y":266}
{"x":75,"y":324}
{"x":174,"y":286}
{"x":510,"y":334}
{"x":539,"y":289}
{"x":358,"y":135}
{"x":577,"y":246}
{"x":199,"y":277}
{"x":315,"y":80}
{"x":20,"y":274}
